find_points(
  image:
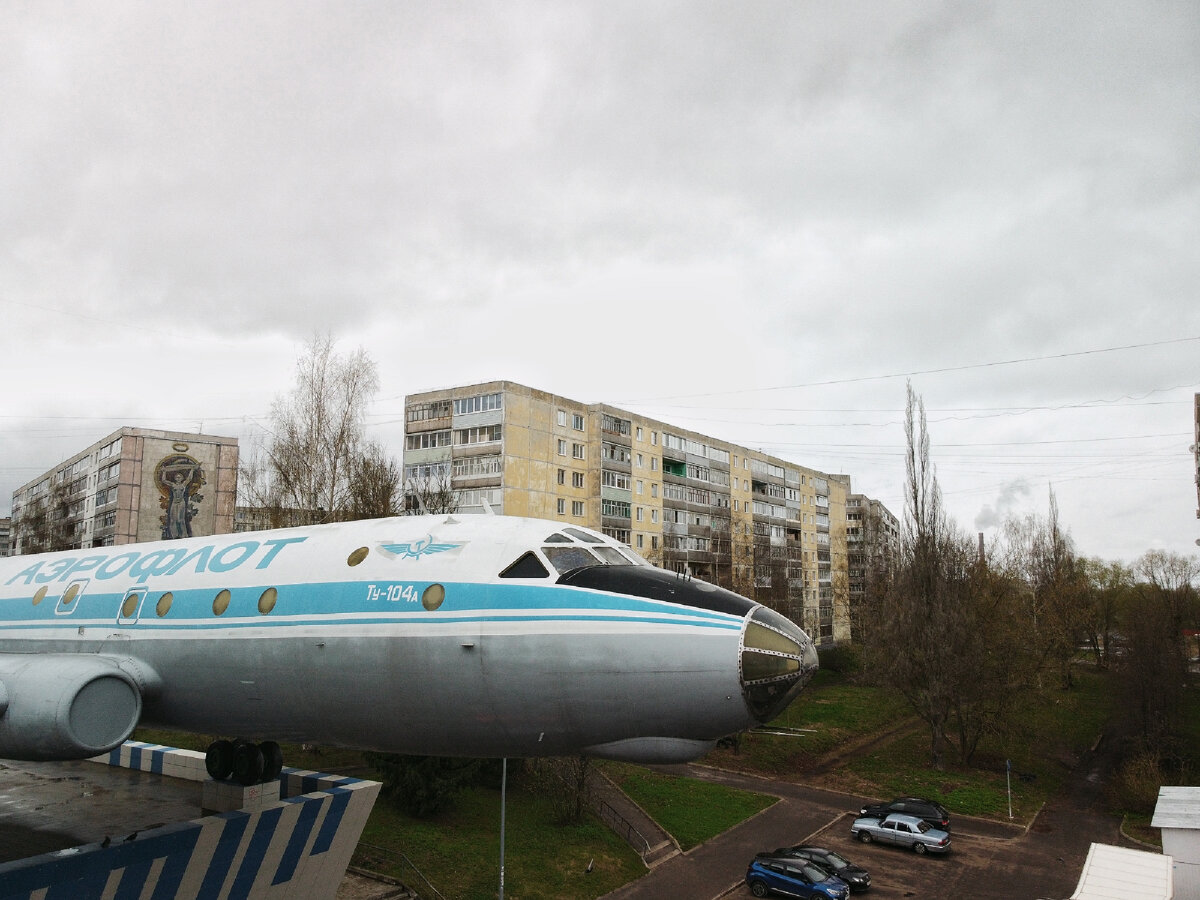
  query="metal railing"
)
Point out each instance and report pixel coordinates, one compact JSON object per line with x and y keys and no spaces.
{"x":622,"y":827}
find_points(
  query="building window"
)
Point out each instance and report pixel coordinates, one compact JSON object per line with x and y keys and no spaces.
{"x":480,"y":434}
{"x":427,"y":440}
{"x":609,"y":478}
{"x":640,"y":511}
{"x":578,"y":451}
{"x":618,"y":508}
{"x":641,"y":541}
{"x":577,"y":479}
{"x":577,"y":508}
{"x":577,"y":422}
{"x":474,"y":466}
{"x":654,"y":489}
{"x":640,"y":486}
{"x":562,"y":447}
{"x":562,"y":476}
{"x":615,"y":452}
{"x":640,"y":436}
{"x":480,"y":403}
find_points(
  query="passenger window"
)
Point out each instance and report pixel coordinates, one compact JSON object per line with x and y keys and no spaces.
{"x":526,"y":566}
{"x":564,"y":559}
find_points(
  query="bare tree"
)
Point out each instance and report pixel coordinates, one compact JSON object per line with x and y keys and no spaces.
{"x":1154,"y":658}
{"x":1041,"y":556}
{"x":306,"y":469}
{"x":934,"y":633}
{"x":431,"y":493}
{"x":41,"y":526}
{"x":1107,"y":589}
{"x":376,"y":484}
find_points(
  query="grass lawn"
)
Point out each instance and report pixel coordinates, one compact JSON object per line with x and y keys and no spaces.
{"x":691,"y":811}
{"x":1057,"y":726}
{"x":459,"y":851}
{"x":830,"y":713}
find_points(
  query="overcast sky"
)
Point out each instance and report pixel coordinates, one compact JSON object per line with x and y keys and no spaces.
{"x":757,"y":220}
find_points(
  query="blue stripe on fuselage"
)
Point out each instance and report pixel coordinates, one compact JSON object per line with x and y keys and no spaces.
{"x":357,"y":603}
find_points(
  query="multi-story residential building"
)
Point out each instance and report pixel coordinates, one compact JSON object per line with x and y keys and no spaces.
{"x":6,"y":536}
{"x":1196,"y":454}
{"x":740,"y":518}
{"x":134,"y":485}
{"x":872,"y":546}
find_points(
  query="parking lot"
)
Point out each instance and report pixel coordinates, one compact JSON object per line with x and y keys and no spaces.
{"x":989,"y":860}
{"x":974,"y":865}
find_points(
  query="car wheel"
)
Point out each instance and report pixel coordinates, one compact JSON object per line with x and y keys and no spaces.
{"x":865,"y":837}
{"x":919,"y":848}
{"x":758,"y":888}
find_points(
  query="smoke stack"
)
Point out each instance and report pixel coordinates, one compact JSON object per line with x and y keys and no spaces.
{"x":981,"y":556}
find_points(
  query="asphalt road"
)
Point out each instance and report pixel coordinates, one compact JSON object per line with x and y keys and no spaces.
{"x":988,"y":860}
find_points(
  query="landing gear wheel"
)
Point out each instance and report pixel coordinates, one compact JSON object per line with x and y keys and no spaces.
{"x":919,"y":849}
{"x":272,"y":760}
{"x":865,"y":837}
{"x":247,"y":763}
{"x":218,"y":760}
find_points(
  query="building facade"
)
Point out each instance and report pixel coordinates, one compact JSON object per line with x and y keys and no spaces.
{"x":762,"y":526}
{"x":134,"y":485}
{"x":6,"y":548}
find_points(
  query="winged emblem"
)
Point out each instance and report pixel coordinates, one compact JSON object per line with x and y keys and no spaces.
{"x":426,"y":546}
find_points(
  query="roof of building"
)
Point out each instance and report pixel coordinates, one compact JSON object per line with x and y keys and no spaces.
{"x":1117,"y":872}
{"x":1177,"y":807}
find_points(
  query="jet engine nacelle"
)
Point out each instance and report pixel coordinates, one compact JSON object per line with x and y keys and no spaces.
{"x":67,"y":706}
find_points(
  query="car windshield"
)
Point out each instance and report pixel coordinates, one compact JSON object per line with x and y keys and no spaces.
{"x":838,"y":862}
{"x":814,"y":874}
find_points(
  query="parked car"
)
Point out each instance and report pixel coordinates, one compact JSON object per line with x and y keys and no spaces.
{"x":771,"y":874}
{"x":902,"y":830}
{"x":858,"y":878}
{"x":929,"y":810}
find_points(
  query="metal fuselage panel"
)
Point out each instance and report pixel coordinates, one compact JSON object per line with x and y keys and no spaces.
{"x":393,"y":634}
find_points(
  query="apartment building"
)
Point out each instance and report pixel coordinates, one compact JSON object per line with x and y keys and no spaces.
{"x":6,"y":548}
{"x":762,"y":526}
{"x":133,"y":485}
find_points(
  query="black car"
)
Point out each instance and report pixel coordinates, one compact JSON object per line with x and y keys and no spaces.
{"x":857,"y":877}
{"x":929,"y":810}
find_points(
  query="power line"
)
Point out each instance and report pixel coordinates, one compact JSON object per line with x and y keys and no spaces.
{"x":939,"y":371}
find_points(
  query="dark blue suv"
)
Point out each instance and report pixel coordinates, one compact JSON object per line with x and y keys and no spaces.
{"x":770,"y":874}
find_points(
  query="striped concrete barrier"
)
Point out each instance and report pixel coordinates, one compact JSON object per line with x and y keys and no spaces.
{"x":296,"y":847}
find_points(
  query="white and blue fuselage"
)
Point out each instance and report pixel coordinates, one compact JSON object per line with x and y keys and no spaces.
{"x":439,"y":635}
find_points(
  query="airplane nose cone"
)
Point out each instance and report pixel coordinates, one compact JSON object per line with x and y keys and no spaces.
{"x":777,"y":660}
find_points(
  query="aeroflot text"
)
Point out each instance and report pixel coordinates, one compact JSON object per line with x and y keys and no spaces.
{"x":143,"y":566}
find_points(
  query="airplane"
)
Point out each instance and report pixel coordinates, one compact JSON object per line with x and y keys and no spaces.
{"x":441,"y":635}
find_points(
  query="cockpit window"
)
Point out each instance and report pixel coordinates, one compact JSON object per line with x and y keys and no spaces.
{"x":557,"y":538}
{"x":564,"y":559}
{"x":610,"y":556}
{"x":526,"y":566}
{"x":583,"y":536}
